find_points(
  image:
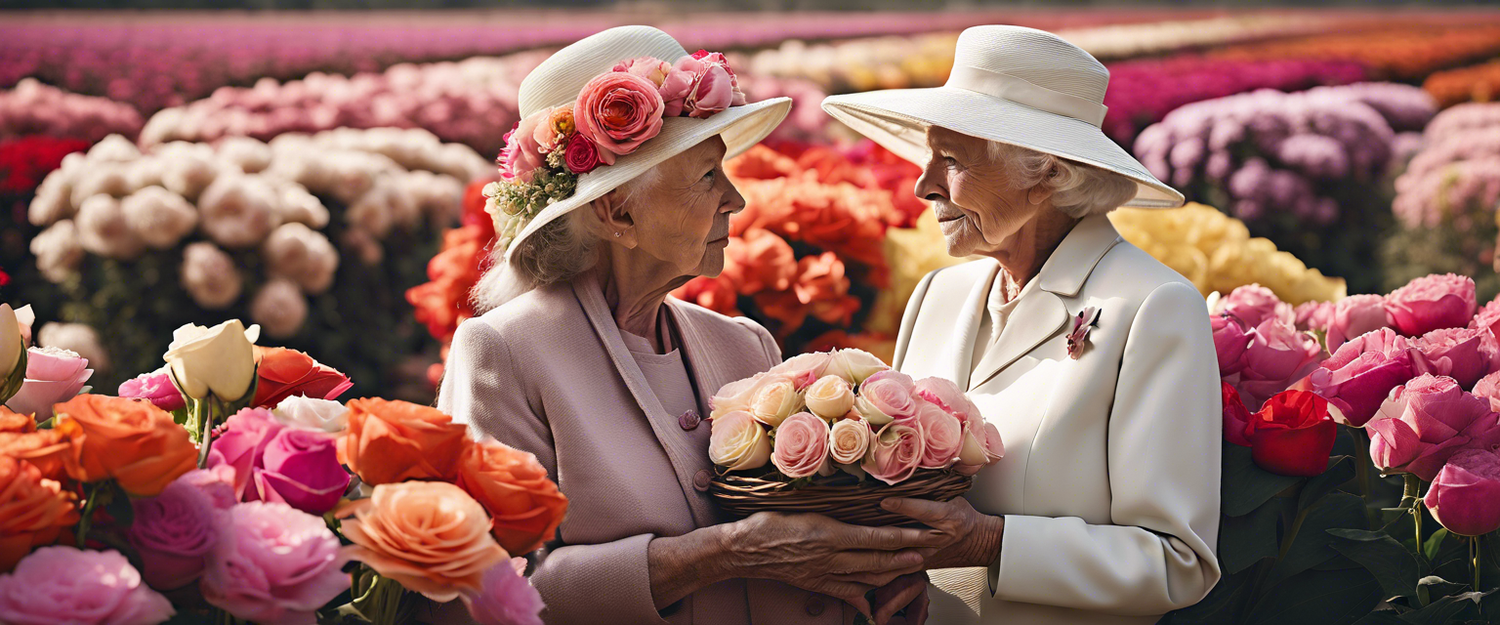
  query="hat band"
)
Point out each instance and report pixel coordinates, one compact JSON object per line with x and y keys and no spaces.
{"x":1022,"y":91}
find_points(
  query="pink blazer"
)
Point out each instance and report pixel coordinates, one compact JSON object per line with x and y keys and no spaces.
{"x":548,"y":373}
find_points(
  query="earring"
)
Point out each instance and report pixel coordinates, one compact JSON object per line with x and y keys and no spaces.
{"x":617,"y":234}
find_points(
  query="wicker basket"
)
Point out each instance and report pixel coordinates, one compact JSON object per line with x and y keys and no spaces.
{"x":841,"y":496}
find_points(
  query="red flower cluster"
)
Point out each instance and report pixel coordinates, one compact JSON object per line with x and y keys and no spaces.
{"x":26,"y":160}
{"x":443,"y":303}
{"x":1292,"y":434}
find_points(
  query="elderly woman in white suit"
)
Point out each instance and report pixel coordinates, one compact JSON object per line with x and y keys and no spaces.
{"x":1095,"y":362}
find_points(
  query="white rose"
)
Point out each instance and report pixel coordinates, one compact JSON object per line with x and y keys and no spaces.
{"x":738,"y":442}
{"x":848,"y":440}
{"x":218,"y":360}
{"x":279,"y":307}
{"x":58,"y":252}
{"x":854,"y":365}
{"x":319,"y":414}
{"x":302,"y":255}
{"x":239,"y":211}
{"x":104,"y":230}
{"x":775,"y":400}
{"x":159,"y":217}
{"x":209,"y":275}
{"x":830,"y":397}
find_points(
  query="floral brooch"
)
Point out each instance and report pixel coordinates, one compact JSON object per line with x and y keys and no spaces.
{"x":1087,"y":319}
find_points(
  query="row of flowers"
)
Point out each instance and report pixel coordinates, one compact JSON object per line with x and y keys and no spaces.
{"x":32,"y":108}
{"x":118,"y":503}
{"x":1410,"y":52}
{"x":1478,"y":83}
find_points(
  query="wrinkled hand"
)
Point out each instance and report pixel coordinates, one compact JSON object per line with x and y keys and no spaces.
{"x":816,"y":553}
{"x":908,"y":592}
{"x":970,"y":538}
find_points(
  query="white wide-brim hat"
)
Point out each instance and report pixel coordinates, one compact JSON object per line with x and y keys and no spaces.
{"x":1015,"y":85}
{"x":560,"y":78}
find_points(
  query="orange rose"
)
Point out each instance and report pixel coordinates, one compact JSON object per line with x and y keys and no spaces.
{"x":514,"y":488}
{"x":16,"y":422}
{"x":715,"y":294}
{"x":285,"y":372}
{"x":33,"y":511}
{"x":391,"y":441}
{"x":759,"y":260}
{"x":432,"y":537}
{"x":45,"y":449}
{"x":824,"y":289}
{"x":130,"y":440}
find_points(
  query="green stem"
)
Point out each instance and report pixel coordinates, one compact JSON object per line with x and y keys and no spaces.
{"x":207,"y":410}
{"x":91,"y":491}
{"x":1412,"y":496}
{"x":1474,"y":551}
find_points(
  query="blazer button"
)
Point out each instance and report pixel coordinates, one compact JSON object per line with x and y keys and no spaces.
{"x":815,"y":605}
{"x":701,"y":479}
{"x":689,"y":420}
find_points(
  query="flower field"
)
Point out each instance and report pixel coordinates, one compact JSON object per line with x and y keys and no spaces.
{"x":323,"y":178}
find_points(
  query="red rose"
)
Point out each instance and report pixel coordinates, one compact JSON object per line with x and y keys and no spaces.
{"x":1293,"y":434}
{"x":287,"y":372}
{"x":582,"y":156}
{"x":1236,"y":416}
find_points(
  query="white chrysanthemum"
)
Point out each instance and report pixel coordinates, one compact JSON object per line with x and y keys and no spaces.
{"x":249,"y":155}
{"x":297,"y":205}
{"x":302,"y":255}
{"x":101,"y":179}
{"x":186,"y":172}
{"x":53,"y":201}
{"x":104,"y":230}
{"x":58,"y":251}
{"x":239,"y":211}
{"x":114,"y":148}
{"x":209,"y":275}
{"x":75,"y":337}
{"x":279,"y":308}
{"x":159,"y":217}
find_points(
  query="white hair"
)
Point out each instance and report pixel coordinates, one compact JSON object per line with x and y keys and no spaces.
{"x":1078,"y":190}
{"x":555,"y":253}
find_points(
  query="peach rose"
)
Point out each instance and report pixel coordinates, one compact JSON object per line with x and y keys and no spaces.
{"x":33,"y":511}
{"x":619,"y":111}
{"x":391,"y":441}
{"x":513,"y":487}
{"x":130,"y":440}
{"x":942,"y":436}
{"x":550,"y":131}
{"x":432,"y":537}
{"x":895,"y":452}
{"x":848,"y":440}
{"x":830,"y":397}
{"x":738,"y":442}
{"x":801,"y":448}
{"x":775,"y":399}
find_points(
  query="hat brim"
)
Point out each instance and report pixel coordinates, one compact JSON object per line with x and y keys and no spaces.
{"x":741,"y":127}
{"x":898,"y":119}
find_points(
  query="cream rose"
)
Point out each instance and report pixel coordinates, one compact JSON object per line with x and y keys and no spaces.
{"x":774,"y":400}
{"x":319,"y":414}
{"x":738,"y":442}
{"x":848,"y":440}
{"x":734,"y":396}
{"x":218,"y":360}
{"x":854,"y":365}
{"x":11,"y":343}
{"x":830,"y":397}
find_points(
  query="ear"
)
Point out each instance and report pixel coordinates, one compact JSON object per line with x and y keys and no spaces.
{"x":1039,"y":193}
{"x":615,"y":223}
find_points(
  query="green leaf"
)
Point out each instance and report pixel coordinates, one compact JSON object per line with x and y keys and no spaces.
{"x":1430,"y":550}
{"x":1311,"y":542}
{"x":1245,"y":486}
{"x":1391,"y":564}
{"x":1318,"y":598}
{"x":1445,"y":610}
{"x":1226,"y":603}
{"x":1340,"y":470}
{"x":1383,"y":617}
{"x":1248,"y":539}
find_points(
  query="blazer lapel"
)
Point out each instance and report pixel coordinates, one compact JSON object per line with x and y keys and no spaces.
{"x":696,"y":347}
{"x":663,"y":425}
{"x":959,"y":352}
{"x":1036,"y":318}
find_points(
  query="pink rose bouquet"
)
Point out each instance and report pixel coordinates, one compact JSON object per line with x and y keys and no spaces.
{"x":275,"y":462}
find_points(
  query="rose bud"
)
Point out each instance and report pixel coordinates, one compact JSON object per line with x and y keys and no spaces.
{"x":1465,"y":495}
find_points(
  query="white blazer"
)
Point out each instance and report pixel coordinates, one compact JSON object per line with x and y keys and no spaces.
{"x":1110,"y":481}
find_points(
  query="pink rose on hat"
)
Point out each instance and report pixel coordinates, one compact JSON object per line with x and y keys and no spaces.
{"x":619,"y":111}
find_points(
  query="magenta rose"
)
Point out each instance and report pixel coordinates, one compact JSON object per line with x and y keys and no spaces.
{"x":718,"y":58}
{"x":1357,"y":378}
{"x":68,"y":585}
{"x":801,"y":448}
{"x":1231,"y":339}
{"x":581,"y":155}
{"x":239,"y":446}
{"x":522,"y":155}
{"x":300,"y":467}
{"x":1488,"y":387}
{"x":173,"y":532}
{"x":1432,"y":303}
{"x":1354,"y":316}
{"x":674,"y":91}
{"x":942,"y":436}
{"x":52,"y":376}
{"x":1465,"y":495}
{"x":505,"y":597}
{"x":1278,"y":355}
{"x":886,"y":396}
{"x":1425,"y":422}
{"x":712,"y":89}
{"x":1253,"y":304}
{"x":1460,"y":353}
{"x":274,"y":564}
{"x":895,"y":452}
{"x":155,"y":387}
{"x":1314,"y":316}
{"x":619,"y":111}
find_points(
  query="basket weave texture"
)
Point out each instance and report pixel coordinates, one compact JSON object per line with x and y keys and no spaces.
{"x":841,"y":496}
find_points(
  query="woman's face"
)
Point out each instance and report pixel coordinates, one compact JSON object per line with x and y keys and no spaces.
{"x":682,"y":217}
{"x":976,"y":204}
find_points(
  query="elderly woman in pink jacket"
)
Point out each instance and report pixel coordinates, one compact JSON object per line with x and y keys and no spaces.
{"x":613,"y":195}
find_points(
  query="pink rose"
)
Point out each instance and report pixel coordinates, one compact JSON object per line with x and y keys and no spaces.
{"x":1460,"y":353}
{"x":981,"y":445}
{"x":1231,"y":339}
{"x":505,"y":597}
{"x":1488,"y":318}
{"x":1431,"y":303}
{"x":804,"y":369}
{"x":801,"y":448}
{"x":581,"y":155}
{"x":173,"y":532}
{"x":68,"y":585}
{"x":895,"y":452}
{"x":942,"y":436}
{"x":1361,"y":373}
{"x":1278,"y":355}
{"x":712,"y":89}
{"x":854,"y":365}
{"x":239,"y":446}
{"x":522,"y":155}
{"x":619,"y":111}
{"x":155,"y":387}
{"x":849,"y":440}
{"x":215,"y":482}
{"x":1488,"y":387}
{"x":1465,"y":495}
{"x":1314,"y":315}
{"x":650,"y":68}
{"x":52,"y":376}
{"x":886,"y":396}
{"x":274,"y":462}
{"x":1253,"y":304}
{"x":275,"y":564}
{"x":718,"y":58}
{"x":674,"y":91}
{"x":1354,"y":316}
{"x":1425,"y":422}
